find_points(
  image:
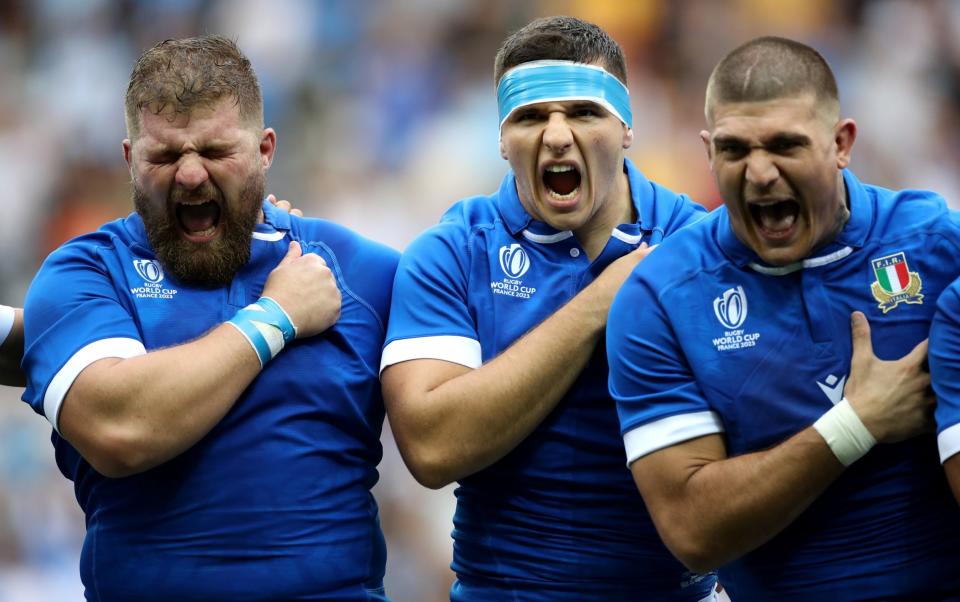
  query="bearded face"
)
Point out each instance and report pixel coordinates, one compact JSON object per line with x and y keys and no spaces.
{"x":208,"y":264}
{"x":198,"y":180}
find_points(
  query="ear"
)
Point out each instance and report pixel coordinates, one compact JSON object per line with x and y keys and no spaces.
{"x":268,"y":146}
{"x":503,"y":150}
{"x":705,"y":138}
{"x":627,"y":137}
{"x":126,"y":152}
{"x":844,"y":135}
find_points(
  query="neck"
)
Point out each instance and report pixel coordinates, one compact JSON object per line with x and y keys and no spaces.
{"x":618,"y":209}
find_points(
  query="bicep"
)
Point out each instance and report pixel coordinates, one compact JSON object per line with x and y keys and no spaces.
{"x":80,"y":409}
{"x":407,"y":384}
{"x":663,"y":476}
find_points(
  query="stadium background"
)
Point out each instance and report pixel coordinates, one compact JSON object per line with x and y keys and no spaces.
{"x":386,"y":114}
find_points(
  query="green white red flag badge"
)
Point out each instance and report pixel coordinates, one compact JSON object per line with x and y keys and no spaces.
{"x":895,"y":283}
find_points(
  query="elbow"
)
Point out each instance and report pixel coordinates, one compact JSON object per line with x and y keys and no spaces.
{"x":697,"y":561}
{"x":429,"y":465}
{"x":695,"y":550}
{"x":116,"y":454}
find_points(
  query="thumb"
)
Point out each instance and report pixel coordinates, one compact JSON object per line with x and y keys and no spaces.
{"x":292,"y":253}
{"x":860,"y":335}
{"x":919,"y":353}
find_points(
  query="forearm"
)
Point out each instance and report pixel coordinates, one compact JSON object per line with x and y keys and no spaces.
{"x":465,"y":423}
{"x":725,"y":508}
{"x":126,"y":416}
{"x":11,"y":353}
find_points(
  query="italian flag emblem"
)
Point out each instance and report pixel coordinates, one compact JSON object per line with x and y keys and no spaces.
{"x":895,"y":283}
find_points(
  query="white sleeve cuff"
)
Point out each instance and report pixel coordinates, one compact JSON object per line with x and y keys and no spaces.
{"x":63,"y":380}
{"x":459,"y":350}
{"x":653,"y":436}
{"x":6,"y":322}
{"x":948,"y":441}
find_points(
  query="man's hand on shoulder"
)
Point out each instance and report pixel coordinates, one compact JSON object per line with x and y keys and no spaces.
{"x":284,"y":205}
{"x":306,"y":289}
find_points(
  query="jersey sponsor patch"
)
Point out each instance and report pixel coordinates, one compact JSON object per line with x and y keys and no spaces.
{"x":730,"y":308}
{"x":514,"y":263}
{"x":152,"y":273}
{"x":894,"y":283}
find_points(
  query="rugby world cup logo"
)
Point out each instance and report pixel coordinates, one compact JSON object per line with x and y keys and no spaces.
{"x":731,"y":308}
{"x":514,"y":261}
{"x":149,"y":269}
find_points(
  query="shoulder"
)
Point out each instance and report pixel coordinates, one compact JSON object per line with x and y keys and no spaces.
{"x":89,"y":249}
{"x":691,"y":250}
{"x":347,"y":246}
{"x":660,"y":208}
{"x":457,"y":228}
{"x":901,"y":210}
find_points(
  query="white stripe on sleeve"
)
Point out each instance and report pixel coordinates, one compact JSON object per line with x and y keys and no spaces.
{"x":653,"y":436}
{"x":63,"y":380}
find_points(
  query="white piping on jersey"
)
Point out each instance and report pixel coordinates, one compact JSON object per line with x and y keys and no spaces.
{"x":630,"y":239}
{"x":269,"y":236}
{"x":813,"y":262}
{"x":547,"y":238}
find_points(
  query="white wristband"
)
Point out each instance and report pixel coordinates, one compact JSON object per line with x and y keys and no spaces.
{"x":6,"y":322}
{"x":844,"y":432}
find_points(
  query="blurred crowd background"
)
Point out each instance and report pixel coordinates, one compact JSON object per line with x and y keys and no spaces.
{"x":386,"y":114}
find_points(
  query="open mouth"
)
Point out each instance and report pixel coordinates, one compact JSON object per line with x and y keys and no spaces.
{"x":198,"y":220}
{"x":775,"y":219}
{"x":561,"y":181}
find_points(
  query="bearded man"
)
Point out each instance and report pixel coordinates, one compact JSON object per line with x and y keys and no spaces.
{"x":209,"y":363}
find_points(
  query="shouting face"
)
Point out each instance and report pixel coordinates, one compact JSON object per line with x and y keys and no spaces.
{"x":198,"y":181}
{"x":778,"y":165}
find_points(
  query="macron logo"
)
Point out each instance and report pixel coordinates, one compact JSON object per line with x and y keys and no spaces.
{"x":833,"y":388}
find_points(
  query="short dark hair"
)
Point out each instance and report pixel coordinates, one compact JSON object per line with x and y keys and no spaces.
{"x":180,"y":75}
{"x":563,"y":39}
{"x":769,"y":68}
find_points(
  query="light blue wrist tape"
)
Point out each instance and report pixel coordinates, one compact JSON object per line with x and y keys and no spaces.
{"x":553,"y":81}
{"x":266,"y":327}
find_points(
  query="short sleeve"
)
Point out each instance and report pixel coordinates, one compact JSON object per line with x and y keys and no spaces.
{"x":944,"y":358}
{"x":429,"y":314}
{"x":7,"y":315}
{"x":73,"y":318}
{"x":659,"y":402}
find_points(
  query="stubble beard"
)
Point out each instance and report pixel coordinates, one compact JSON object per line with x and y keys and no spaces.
{"x":212,"y":264}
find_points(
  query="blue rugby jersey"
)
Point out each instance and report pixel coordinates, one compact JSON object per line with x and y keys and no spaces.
{"x":558,"y":518}
{"x":945,"y":370}
{"x":710,"y":340}
{"x":274,"y":503}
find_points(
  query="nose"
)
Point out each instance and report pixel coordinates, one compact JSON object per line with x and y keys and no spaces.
{"x":190,"y":172}
{"x":761,"y":170}
{"x":557,"y":136}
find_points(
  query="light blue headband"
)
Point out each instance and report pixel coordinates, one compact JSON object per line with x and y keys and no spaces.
{"x":552,"y":81}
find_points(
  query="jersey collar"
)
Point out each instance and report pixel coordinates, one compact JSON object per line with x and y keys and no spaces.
{"x":517,"y":220}
{"x":853,"y":236}
{"x":275,"y":224}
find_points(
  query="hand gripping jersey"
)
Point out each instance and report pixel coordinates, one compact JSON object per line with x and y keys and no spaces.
{"x":274,"y":503}
{"x":559,"y":518}
{"x":709,"y":340}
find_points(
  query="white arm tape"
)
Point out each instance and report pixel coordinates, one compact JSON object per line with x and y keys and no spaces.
{"x":6,"y":322}
{"x":844,"y":432}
